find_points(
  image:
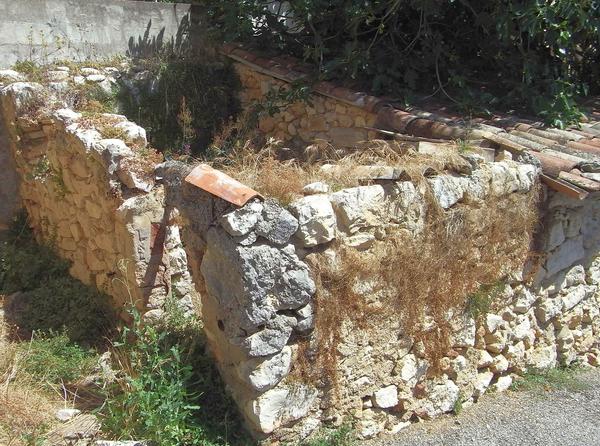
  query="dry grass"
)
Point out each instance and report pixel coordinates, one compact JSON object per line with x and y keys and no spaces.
{"x":26,"y":408}
{"x":269,"y":172}
{"x":421,"y":281}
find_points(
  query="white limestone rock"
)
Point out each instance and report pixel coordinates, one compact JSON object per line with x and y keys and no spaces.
{"x":575,"y":296}
{"x":482,"y":383}
{"x":448,"y":190}
{"x":11,"y":76}
{"x":441,"y":399}
{"x":280,"y":405}
{"x":66,"y":414}
{"x":241,"y":221}
{"x":499,"y":364}
{"x":503,"y":383}
{"x":264,"y":374}
{"x":386,"y":397}
{"x":358,"y":207}
{"x":133,"y":132}
{"x":360,"y":241}
{"x":318,"y":187}
{"x":542,"y":357}
{"x":316,"y":220}
{"x":524,"y":300}
{"x":547,"y":309}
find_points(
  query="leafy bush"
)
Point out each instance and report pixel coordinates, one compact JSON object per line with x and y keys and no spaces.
{"x":530,"y":55}
{"x":187,"y":101}
{"x":49,"y":299}
{"x":170,"y":394}
{"x":54,"y":359}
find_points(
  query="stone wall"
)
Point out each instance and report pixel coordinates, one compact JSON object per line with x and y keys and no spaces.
{"x":320,"y":117}
{"x":258,"y":290}
{"x":92,"y":197}
{"x":49,"y":30}
{"x":9,"y":183}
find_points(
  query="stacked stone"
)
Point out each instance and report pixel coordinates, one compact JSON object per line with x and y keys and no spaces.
{"x":320,"y":118}
{"x":255,"y":316}
{"x":82,"y":195}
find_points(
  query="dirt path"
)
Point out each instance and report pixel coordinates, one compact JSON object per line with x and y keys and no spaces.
{"x":516,"y":418}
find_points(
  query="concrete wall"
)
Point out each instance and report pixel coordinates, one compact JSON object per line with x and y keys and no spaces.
{"x":46,"y":30}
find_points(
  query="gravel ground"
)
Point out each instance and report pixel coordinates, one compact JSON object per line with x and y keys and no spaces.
{"x":516,"y":418}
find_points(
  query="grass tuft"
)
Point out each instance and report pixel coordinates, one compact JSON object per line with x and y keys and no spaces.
{"x":560,"y":378}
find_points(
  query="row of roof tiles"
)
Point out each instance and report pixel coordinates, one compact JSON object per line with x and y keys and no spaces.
{"x":567,"y":156}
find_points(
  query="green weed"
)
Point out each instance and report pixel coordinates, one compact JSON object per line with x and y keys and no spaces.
{"x":480,"y":302}
{"x":343,"y":436}
{"x":551,"y":379}
{"x":54,"y":359}
{"x":170,"y":394}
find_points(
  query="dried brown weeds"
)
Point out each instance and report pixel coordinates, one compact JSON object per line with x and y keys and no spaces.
{"x":421,"y":281}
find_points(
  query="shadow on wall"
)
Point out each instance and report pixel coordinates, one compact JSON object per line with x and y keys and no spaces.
{"x":147,"y":45}
{"x":189,"y":37}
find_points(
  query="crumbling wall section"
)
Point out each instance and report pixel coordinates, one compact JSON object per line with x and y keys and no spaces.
{"x":317,"y":117}
{"x":255,"y":265}
{"x":94,"y":198}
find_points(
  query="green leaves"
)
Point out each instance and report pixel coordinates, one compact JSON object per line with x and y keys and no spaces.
{"x":514,"y":51}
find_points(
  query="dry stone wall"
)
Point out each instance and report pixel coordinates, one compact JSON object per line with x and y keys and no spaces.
{"x":305,"y":121}
{"x":93,"y":197}
{"x":258,"y":297}
{"x":254,"y":266}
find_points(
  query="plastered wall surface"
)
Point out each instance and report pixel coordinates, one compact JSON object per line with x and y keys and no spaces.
{"x":48,"y":30}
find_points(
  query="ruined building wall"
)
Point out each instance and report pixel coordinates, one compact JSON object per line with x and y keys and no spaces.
{"x":259,"y":286}
{"x":319,"y":117}
{"x":94,"y":198}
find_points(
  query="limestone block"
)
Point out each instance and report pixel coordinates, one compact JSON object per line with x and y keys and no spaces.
{"x":241,"y":221}
{"x":524,"y":300}
{"x":93,"y":209}
{"x":358,"y":207}
{"x":279,"y":406}
{"x":542,"y":357}
{"x":275,"y":223}
{"x":575,"y":296}
{"x":505,"y":178}
{"x":133,"y":132}
{"x":499,"y":364}
{"x":482,"y":383}
{"x":261,"y":281}
{"x":386,"y":397}
{"x":503,"y":383}
{"x":316,"y":220}
{"x":316,"y":188}
{"x":264,"y":374}
{"x":448,"y":190}
{"x":441,"y":399}
{"x":565,"y":255}
{"x":547,"y":309}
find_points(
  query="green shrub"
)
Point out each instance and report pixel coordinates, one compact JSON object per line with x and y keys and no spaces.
{"x":188,"y":103}
{"x":551,"y":379}
{"x":54,"y":359}
{"x":170,"y":393}
{"x":528,"y":55}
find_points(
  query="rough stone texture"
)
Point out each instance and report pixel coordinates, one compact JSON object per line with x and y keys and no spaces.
{"x":323,"y":119}
{"x":253,"y":319}
{"x":81,"y":192}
